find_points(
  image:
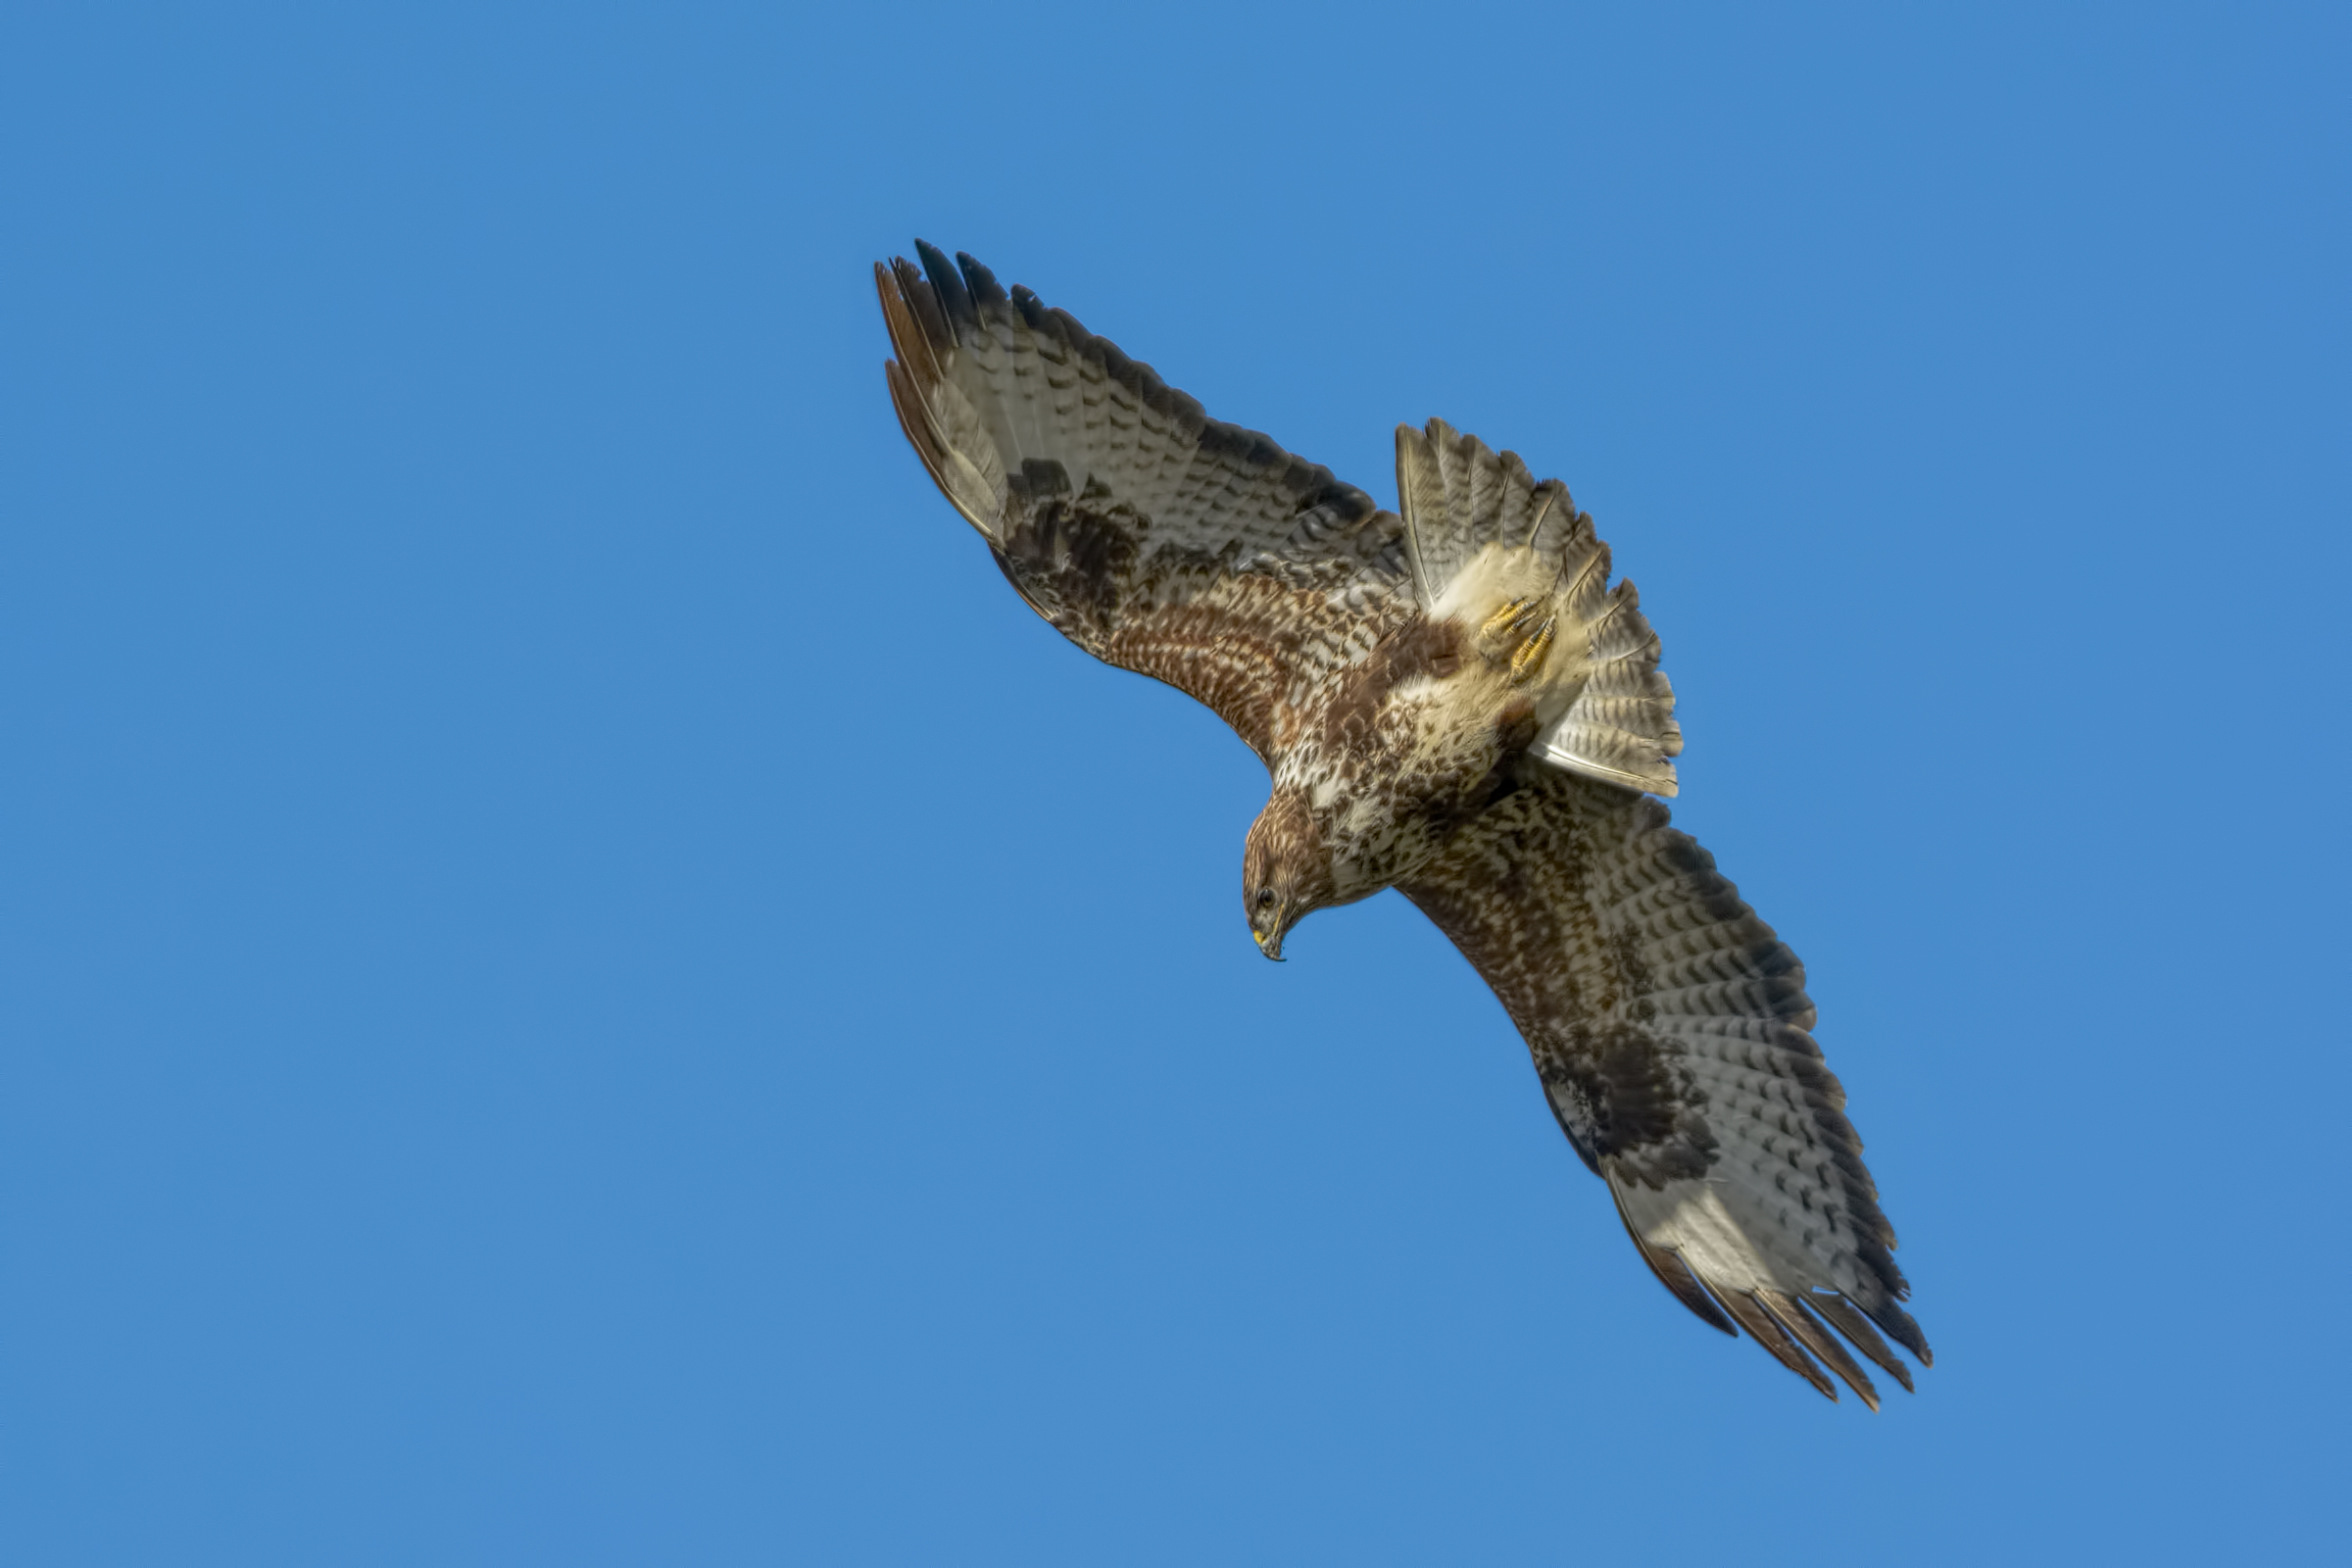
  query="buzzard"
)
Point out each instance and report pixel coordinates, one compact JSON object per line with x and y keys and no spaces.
{"x":1456,"y":704}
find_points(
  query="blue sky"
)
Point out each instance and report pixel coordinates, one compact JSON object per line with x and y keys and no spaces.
{"x":580,"y":983}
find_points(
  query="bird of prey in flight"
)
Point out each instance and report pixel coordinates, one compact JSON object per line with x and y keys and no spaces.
{"x":1455,"y":702}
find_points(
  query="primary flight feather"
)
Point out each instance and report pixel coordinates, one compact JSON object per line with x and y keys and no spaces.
{"x":1455,"y":703}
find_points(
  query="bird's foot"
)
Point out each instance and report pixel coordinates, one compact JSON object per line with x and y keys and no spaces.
{"x":1528,"y":661}
{"x":1508,"y":620}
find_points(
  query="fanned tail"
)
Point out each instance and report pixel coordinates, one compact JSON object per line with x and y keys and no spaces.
{"x":1621,"y":726}
{"x":1459,"y":498}
{"x":1482,"y":533}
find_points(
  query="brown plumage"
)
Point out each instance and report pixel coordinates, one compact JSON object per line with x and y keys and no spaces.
{"x":1456,"y":704}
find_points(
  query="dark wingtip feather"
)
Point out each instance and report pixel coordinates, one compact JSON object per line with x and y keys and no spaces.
{"x":1792,"y":1316}
{"x":923,"y":300}
{"x":1034,"y":313}
{"x":986,"y":291}
{"x":944,"y":282}
{"x":1767,"y":1332}
{"x":1902,"y":1327}
{"x":1848,"y":1321}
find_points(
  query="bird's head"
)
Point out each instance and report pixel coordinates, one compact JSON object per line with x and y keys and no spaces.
{"x":1286,"y":875}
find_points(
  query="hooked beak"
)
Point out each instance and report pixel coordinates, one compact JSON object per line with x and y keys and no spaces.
{"x":1270,"y":946}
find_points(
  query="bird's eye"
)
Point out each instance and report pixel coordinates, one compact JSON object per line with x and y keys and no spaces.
{"x":1266,"y":897}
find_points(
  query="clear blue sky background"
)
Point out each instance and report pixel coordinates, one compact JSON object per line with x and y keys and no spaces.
{"x":583,"y":985}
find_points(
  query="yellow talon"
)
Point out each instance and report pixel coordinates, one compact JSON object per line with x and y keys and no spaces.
{"x":1506,"y":618}
{"x":1529,"y":657}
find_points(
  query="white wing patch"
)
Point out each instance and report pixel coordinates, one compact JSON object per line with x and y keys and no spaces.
{"x":1691,"y":1219}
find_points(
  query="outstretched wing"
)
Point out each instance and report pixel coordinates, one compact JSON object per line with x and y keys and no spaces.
{"x":1154,"y":537}
{"x":1668,"y":1025}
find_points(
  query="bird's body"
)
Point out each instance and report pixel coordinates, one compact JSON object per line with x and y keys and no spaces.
{"x":1454,"y":703}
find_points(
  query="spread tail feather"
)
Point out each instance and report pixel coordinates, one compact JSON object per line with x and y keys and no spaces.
{"x":1478,"y":528}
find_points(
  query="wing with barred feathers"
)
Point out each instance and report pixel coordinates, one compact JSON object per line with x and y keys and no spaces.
{"x":1669,"y":1029}
{"x":1153,"y":536}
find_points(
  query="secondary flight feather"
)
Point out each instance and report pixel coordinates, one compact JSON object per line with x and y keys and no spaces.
{"x":1458,"y":703}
